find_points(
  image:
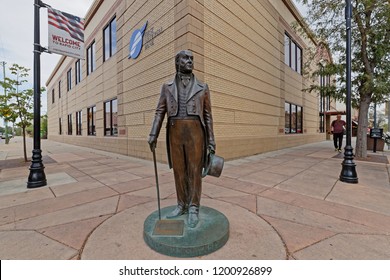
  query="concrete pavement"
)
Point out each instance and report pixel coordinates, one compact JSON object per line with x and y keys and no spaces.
{"x":287,"y":204}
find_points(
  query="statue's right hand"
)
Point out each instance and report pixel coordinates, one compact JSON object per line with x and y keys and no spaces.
{"x":152,"y":142}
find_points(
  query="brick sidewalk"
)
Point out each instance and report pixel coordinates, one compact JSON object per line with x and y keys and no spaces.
{"x":287,"y":204}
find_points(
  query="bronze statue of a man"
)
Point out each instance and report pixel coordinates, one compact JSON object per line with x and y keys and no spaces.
{"x":190,"y":134}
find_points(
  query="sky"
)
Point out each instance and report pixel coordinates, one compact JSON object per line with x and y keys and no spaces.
{"x":17,"y":35}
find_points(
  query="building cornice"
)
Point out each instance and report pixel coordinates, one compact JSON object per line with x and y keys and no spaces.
{"x":299,"y":18}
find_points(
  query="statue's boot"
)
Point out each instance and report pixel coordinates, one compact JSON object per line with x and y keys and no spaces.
{"x":178,"y":211}
{"x":193,"y":216}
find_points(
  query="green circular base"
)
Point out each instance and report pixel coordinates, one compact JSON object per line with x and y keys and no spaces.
{"x":210,"y":234}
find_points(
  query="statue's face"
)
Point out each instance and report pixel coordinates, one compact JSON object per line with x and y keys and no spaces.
{"x":186,"y":62}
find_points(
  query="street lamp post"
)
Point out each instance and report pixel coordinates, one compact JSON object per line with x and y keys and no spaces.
{"x":348,"y":172}
{"x":37,"y":177}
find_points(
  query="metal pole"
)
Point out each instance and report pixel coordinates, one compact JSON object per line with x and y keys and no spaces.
{"x":321,"y":111}
{"x":348,"y":172}
{"x":375,"y":125}
{"x":37,"y":177}
{"x":157,"y":186}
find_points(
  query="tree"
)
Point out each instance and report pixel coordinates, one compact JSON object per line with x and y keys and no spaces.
{"x":19,"y":102}
{"x":44,"y":126}
{"x":370,"y":52}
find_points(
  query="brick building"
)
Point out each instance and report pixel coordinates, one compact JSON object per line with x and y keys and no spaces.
{"x":246,"y":51}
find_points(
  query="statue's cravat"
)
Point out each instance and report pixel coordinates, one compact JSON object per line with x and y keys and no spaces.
{"x":185,"y":80}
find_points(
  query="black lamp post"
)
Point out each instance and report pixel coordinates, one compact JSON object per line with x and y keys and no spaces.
{"x":348,"y":172}
{"x":37,"y":177}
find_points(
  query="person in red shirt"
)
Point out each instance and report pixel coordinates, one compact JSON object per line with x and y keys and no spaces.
{"x":338,"y":127}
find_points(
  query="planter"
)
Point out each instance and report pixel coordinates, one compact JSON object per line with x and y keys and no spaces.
{"x":380,"y":144}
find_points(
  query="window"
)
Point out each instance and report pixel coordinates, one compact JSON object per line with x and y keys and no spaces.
{"x":60,"y":126}
{"x":299,"y":60}
{"x":111,"y":117}
{"x":292,"y":54}
{"x":293,"y":61}
{"x":78,"y":122}
{"x":59,"y":89}
{"x":52,"y":95}
{"x":91,"y":112}
{"x":293,"y":118}
{"x":91,"y":60}
{"x":69,"y":79}
{"x":109,"y":40}
{"x":78,"y":71}
{"x":70,"y":124}
{"x":324,"y":100}
{"x":286,"y":49}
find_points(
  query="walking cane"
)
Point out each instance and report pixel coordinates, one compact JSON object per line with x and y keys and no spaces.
{"x":158,"y":189}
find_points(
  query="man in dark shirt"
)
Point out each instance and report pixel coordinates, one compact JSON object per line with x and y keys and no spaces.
{"x":338,"y":127}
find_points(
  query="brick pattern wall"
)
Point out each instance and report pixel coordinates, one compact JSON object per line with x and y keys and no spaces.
{"x":238,"y":50}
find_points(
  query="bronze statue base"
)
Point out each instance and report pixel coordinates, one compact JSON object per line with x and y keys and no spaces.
{"x":175,"y":238}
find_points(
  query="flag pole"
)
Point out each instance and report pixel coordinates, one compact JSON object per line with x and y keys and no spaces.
{"x":37,"y":177}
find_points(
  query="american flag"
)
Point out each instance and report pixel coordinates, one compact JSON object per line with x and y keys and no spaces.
{"x":69,"y":23}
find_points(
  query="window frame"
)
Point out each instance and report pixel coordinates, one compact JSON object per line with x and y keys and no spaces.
{"x":293,"y":54}
{"x":70,"y":128}
{"x":60,"y":126}
{"x":69,"y":79}
{"x":91,"y":58}
{"x":294,"y":123}
{"x":77,"y":68}
{"x":110,"y":130}
{"x":112,"y":44}
{"x":59,"y":89}
{"x":91,"y":120}
{"x":79,"y":122}
{"x":52,"y":96}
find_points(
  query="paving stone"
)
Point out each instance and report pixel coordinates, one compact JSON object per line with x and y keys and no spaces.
{"x":364,"y":197}
{"x":348,"y":247}
{"x":73,"y":234}
{"x":128,"y":200}
{"x":214,"y":191}
{"x":75,"y":187}
{"x":25,"y":197}
{"x":297,"y":236}
{"x":31,"y":245}
{"x":20,"y":185}
{"x":120,"y":237}
{"x":307,"y":217}
{"x":245,"y":201}
{"x":77,"y":213}
{"x":285,"y":170}
{"x":303,"y":183}
{"x":245,"y":187}
{"x":42,"y":207}
{"x":264,"y":178}
{"x":377,"y":221}
{"x":114,"y":177}
{"x":66,"y":157}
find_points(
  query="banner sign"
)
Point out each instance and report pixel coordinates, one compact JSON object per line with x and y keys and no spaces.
{"x":66,"y":34}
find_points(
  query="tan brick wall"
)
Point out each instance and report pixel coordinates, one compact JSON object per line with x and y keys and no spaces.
{"x":238,"y":50}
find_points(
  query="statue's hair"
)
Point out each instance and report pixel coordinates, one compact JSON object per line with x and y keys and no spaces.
{"x":177,"y":58}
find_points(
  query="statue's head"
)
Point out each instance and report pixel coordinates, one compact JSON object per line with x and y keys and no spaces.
{"x":184,"y":61}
